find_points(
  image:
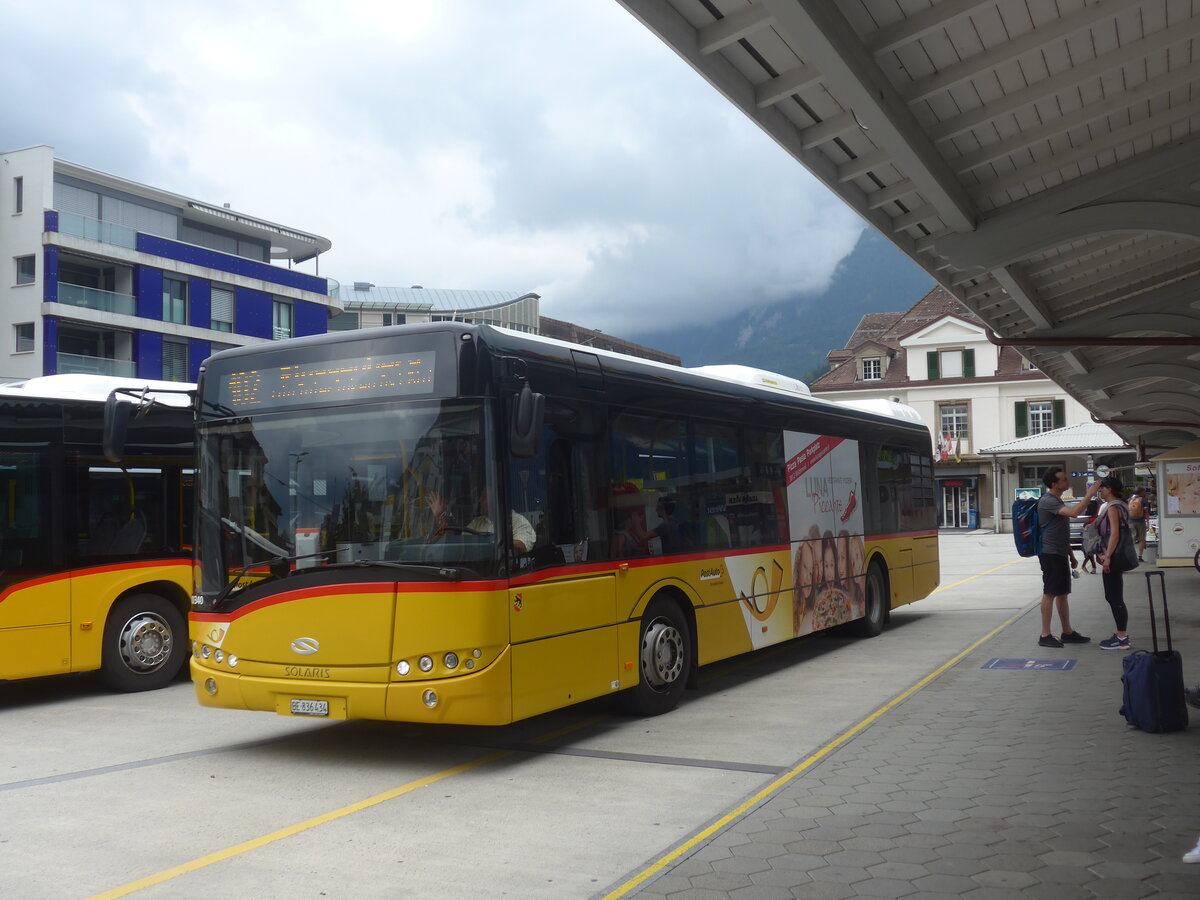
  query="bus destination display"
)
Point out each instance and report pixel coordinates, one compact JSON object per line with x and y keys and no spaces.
{"x":354,"y":378}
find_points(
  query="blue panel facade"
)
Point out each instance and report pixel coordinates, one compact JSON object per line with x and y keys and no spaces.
{"x":50,"y":275}
{"x":311,"y":318}
{"x":226,"y":262}
{"x":198,"y":352}
{"x":200,"y":302}
{"x":148,"y":288}
{"x":50,"y":220}
{"x":148,"y":354}
{"x":50,"y":345}
{"x":253,"y":313}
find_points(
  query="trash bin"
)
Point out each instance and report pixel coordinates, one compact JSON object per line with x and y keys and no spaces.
{"x":974,"y":518}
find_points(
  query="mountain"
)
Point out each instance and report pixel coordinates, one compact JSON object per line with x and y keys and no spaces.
{"x":792,"y":337}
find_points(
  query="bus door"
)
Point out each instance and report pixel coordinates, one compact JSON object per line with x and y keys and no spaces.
{"x":562,"y":611}
{"x":35,"y":596}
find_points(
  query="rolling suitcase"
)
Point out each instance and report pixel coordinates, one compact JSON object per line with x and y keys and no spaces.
{"x":1153,"y":682}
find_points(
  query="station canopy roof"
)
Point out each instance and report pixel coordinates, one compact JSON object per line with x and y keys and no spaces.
{"x":1039,"y":158}
{"x":1086,"y":437}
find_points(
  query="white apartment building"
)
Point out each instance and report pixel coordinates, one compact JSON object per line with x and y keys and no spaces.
{"x":103,"y":275}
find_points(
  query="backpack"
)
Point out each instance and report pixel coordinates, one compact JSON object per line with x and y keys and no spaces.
{"x":1090,"y":542}
{"x":1027,"y":532}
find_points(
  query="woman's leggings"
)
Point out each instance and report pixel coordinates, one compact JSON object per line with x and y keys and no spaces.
{"x":1114,"y":593}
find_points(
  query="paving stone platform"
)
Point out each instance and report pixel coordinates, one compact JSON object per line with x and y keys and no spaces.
{"x":987,"y":784}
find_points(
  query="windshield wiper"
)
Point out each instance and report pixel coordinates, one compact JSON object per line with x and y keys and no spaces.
{"x":447,"y":573}
{"x":262,"y":542}
{"x":233,"y":584}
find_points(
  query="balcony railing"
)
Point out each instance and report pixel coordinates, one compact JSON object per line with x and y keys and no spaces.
{"x":92,"y":298}
{"x":71,"y":363}
{"x":94,"y":230}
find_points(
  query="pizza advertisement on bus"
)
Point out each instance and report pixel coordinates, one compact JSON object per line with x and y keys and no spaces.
{"x":828,"y":571}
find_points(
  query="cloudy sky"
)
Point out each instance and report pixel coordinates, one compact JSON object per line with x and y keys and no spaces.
{"x":538,"y":145}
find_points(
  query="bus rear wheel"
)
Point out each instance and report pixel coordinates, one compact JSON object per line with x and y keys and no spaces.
{"x":145,"y":639}
{"x":664,"y":659}
{"x":871,"y":624}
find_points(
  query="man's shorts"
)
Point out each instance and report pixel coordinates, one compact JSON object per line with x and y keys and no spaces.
{"x":1137,"y":530}
{"x":1056,"y":574}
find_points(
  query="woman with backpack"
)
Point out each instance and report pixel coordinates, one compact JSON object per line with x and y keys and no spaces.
{"x":1109,"y":519}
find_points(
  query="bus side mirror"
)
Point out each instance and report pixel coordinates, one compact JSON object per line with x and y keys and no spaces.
{"x":525,"y":427}
{"x":116,"y":422}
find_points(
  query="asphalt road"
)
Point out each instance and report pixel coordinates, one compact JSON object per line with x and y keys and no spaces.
{"x":152,"y":796}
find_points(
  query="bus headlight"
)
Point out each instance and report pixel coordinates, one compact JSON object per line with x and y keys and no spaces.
{"x":205,"y":652}
{"x":232,"y":660}
{"x":425,"y":663}
{"x":403,"y":668}
{"x":450,"y":660}
{"x":430,"y":698}
{"x":211,"y":685}
{"x":219,"y":656}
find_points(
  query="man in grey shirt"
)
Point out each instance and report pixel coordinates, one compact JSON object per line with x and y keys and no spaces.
{"x":1053,"y":519}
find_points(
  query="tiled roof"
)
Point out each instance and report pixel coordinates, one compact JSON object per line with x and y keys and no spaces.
{"x":1084,"y":436}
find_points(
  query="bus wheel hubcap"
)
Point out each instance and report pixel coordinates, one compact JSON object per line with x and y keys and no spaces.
{"x":145,"y":642}
{"x":662,"y":654}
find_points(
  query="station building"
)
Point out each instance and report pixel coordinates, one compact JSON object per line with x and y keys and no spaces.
{"x":108,"y":276}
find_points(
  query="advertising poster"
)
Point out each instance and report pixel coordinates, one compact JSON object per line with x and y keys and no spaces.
{"x":825,"y":515}
{"x":1183,"y":489}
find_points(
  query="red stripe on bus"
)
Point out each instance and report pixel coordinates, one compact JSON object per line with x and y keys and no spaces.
{"x":91,"y":570}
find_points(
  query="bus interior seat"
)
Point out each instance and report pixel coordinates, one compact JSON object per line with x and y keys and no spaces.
{"x":116,"y":538}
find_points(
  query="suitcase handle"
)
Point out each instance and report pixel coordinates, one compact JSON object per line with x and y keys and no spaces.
{"x":1162,"y":583}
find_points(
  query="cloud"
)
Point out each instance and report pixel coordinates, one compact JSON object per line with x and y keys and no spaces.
{"x":534,"y":145}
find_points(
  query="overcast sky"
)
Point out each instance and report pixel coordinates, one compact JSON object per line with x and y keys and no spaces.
{"x":547,"y":145}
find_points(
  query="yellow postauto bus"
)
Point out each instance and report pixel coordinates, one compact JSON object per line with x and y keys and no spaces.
{"x":464,"y":524}
{"x":95,"y":557}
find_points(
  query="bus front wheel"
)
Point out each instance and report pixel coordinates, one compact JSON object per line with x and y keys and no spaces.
{"x":664,"y":659}
{"x":145,"y":640}
{"x":876,"y":603}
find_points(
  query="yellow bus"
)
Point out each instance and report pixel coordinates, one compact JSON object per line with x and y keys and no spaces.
{"x":464,"y":524}
{"x":95,"y":558}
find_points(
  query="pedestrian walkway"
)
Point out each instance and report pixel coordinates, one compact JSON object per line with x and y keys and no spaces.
{"x":1000,"y":778}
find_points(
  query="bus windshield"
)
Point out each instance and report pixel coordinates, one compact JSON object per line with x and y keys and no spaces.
{"x":400,"y":483}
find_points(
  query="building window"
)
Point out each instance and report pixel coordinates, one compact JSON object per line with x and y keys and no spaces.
{"x":872,"y":368}
{"x":950,"y":364}
{"x":281,"y":318}
{"x":222,"y":308}
{"x":1041,"y":416}
{"x":24,"y":337}
{"x":18,"y":195}
{"x":1038,"y":416}
{"x":26,"y":269}
{"x":347,"y":321}
{"x":175,"y":301}
{"x":954,"y":420}
{"x":175,"y":361}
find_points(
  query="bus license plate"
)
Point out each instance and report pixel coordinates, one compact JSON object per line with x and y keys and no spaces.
{"x":310,"y":707}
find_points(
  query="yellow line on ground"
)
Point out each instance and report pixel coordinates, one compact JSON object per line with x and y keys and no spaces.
{"x":946,"y":587}
{"x":254,"y":844}
{"x":780,"y":782}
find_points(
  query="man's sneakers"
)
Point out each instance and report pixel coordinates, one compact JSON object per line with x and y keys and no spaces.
{"x":1115,"y":643}
{"x":1073,"y":637}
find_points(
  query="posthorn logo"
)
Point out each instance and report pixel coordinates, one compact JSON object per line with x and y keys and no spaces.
{"x":305,"y":646}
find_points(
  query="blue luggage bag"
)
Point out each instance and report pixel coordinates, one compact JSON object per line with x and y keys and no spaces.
{"x":1153,"y":682}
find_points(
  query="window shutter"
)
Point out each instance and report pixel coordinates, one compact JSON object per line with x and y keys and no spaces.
{"x":222,"y":305}
{"x":1022,"y":409}
{"x":175,"y":361}
{"x":932,"y":360}
{"x":968,"y":363}
{"x":1060,"y":413}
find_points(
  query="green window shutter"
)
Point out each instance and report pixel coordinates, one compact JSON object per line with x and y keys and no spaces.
{"x":1022,"y":409}
{"x":931,"y":359}
{"x":968,"y":363}
{"x":1060,"y":413}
